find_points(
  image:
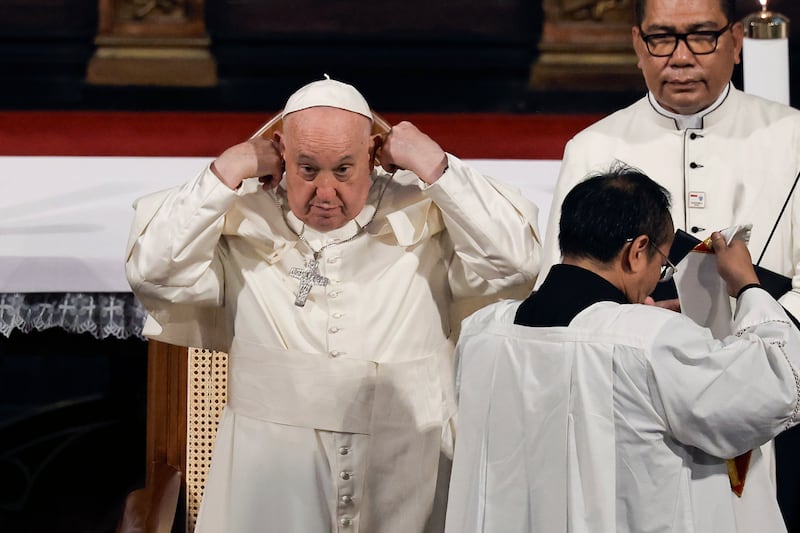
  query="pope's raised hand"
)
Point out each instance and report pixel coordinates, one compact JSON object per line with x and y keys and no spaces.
{"x":406,"y":147}
{"x":257,"y":157}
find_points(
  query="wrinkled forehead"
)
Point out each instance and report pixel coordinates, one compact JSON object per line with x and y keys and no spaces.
{"x":324,"y":129}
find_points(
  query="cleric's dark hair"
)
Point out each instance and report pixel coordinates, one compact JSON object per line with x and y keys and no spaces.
{"x":603,"y":211}
{"x":728,"y":7}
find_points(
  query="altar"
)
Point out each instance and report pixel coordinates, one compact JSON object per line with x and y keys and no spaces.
{"x":65,"y":222}
{"x":63,"y":228}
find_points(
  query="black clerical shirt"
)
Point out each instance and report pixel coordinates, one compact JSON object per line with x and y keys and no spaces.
{"x":566,"y":291}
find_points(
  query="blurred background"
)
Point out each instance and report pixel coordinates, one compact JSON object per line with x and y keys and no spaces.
{"x":405,"y":55}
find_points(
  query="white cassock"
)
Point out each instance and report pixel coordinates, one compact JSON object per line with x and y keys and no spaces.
{"x":617,"y":423}
{"x":737,"y":168}
{"x":338,"y":411}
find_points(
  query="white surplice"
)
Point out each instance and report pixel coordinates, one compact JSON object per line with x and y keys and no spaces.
{"x":737,"y":167}
{"x":338,"y":411}
{"x":618,"y":423}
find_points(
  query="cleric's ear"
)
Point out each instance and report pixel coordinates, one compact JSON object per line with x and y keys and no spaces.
{"x":737,"y":33}
{"x":636,"y":254}
{"x":639,"y":47}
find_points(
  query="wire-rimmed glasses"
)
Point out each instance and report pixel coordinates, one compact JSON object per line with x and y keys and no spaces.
{"x":667,"y":269}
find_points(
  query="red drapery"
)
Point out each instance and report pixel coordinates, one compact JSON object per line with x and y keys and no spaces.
{"x":206,"y":134}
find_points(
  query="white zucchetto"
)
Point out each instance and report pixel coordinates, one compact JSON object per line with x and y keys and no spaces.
{"x":328,"y":93}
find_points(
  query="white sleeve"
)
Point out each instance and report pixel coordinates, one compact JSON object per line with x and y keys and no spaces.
{"x":174,"y":254}
{"x":726,"y":397}
{"x":493,"y":228}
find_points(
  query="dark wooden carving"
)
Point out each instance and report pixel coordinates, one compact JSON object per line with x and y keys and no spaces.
{"x":586,"y":44}
{"x":152,"y":42}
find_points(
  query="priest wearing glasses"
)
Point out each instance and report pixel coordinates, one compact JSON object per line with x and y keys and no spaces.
{"x":336,"y":286}
{"x":726,"y":158}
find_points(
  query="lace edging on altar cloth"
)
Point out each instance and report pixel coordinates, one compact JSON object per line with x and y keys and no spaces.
{"x":102,"y":315}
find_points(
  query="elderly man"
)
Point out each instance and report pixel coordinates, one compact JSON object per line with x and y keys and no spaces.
{"x":581,"y":410}
{"x":726,"y":157}
{"x":333,"y":286}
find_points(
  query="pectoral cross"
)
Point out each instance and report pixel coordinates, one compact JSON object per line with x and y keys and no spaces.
{"x":308,"y":276}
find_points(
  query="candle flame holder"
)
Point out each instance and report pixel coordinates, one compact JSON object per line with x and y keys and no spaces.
{"x":765,"y":55}
{"x":766,"y":24}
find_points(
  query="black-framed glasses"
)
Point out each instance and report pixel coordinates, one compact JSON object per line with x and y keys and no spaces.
{"x":699,"y":42}
{"x":667,"y":269}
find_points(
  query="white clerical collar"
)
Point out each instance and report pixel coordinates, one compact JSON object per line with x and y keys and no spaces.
{"x":693,"y":121}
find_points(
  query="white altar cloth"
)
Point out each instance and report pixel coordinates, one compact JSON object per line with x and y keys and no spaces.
{"x":64,"y":221}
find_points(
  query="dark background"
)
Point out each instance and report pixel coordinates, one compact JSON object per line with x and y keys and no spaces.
{"x":72,"y":430}
{"x":405,"y":56}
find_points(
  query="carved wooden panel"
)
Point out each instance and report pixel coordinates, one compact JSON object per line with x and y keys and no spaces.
{"x":152,"y":42}
{"x":151,"y":18}
{"x":586,"y":43}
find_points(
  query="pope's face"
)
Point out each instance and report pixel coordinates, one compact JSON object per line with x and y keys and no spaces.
{"x":328,"y":165}
{"x":685,"y":82}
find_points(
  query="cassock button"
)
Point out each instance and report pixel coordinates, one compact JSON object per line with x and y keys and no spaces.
{"x":345,"y":522}
{"x":338,"y":315}
{"x":345,"y":475}
{"x":335,"y":353}
{"x":334,"y":329}
{"x":333,"y":294}
{"x":346,"y":499}
{"x":344,"y":450}
{"x":693,"y":136}
{"x":692,"y":165}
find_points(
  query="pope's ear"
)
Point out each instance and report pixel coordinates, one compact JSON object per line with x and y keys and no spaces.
{"x":380,"y":130}
{"x":376,"y":141}
{"x":277,"y":142}
{"x":270,"y":128}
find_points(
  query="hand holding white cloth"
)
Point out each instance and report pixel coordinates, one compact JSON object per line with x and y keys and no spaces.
{"x":703,"y":293}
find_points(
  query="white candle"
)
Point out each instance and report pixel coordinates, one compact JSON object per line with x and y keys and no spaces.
{"x":765,"y":55}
